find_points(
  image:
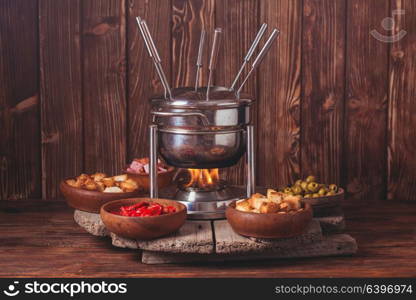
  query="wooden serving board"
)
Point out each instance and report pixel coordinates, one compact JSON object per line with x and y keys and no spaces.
{"x":216,"y":241}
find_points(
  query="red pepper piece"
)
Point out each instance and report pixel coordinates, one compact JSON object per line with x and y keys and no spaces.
{"x":136,"y":206}
{"x":171,"y":209}
{"x":155,"y":209}
{"x":140,"y":210}
{"x":146,"y":213}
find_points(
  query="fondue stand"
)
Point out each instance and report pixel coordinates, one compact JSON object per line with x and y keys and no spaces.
{"x":190,"y":132}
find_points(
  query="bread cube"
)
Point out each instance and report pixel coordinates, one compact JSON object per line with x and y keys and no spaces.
{"x":256,"y":201}
{"x":269,"y":207}
{"x":293,"y":202}
{"x":120,"y":178}
{"x":243,"y":205}
{"x":98,"y":176}
{"x":113,"y":189}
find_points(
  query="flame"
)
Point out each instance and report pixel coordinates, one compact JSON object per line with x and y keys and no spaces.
{"x":203,"y":178}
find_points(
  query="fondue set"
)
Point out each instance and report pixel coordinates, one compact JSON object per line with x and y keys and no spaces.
{"x":202,"y":129}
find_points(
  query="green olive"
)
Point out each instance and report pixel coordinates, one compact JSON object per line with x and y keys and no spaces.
{"x":298,"y":182}
{"x":330,"y":193}
{"x":310,"y":178}
{"x":304,"y":186}
{"x":313,"y":187}
{"x":287,"y":190}
{"x":333,"y":187}
{"x":322,"y":191}
{"x":316,"y":195}
{"x":297,"y":190}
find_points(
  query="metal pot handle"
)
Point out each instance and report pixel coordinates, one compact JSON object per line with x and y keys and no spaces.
{"x":203,"y":117}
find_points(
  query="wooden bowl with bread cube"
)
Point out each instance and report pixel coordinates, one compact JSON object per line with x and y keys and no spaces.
{"x":89,"y":192}
{"x":272,"y":216}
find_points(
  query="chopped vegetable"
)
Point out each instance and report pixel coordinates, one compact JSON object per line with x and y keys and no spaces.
{"x":144,"y":209}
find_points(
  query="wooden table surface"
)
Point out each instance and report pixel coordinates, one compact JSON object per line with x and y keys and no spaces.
{"x":40,"y":239}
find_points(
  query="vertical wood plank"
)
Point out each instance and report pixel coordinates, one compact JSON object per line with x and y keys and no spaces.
{"x":104,"y":91}
{"x":239,"y":21}
{"x":61,"y":90}
{"x":19,"y":101}
{"x":189,"y":18}
{"x":323,"y":63}
{"x":402,"y":108}
{"x":366,"y":101}
{"x":279,"y":96}
{"x":142,"y":77}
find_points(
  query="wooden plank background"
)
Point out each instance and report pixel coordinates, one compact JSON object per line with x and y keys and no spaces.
{"x":331,"y":99}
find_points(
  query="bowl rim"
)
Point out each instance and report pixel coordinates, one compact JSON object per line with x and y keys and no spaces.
{"x":91,"y":192}
{"x":338,"y":193}
{"x":306,"y":207}
{"x":103,"y":208}
{"x":170,"y":169}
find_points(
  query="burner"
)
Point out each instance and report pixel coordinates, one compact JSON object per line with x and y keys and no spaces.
{"x":218,"y":193}
{"x":204,"y":193}
{"x":209,"y":204}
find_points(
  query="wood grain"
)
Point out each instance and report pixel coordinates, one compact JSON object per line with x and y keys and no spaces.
{"x":239,"y":21}
{"x":278,"y":130}
{"x":189,"y":17}
{"x":19,"y":100}
{"x":323,"y":62}
{"x":104,"y":92}
{"x":142,"y":78}
{"x":61,"y":93}
{"x":366,"y":101}
{"x":402,"y":109}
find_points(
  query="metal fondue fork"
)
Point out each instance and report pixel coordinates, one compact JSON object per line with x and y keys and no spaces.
{"x":260,"y":56}
{"x":249,"y":54}
{"x":213,"y":58}
{"x":199,"y":59}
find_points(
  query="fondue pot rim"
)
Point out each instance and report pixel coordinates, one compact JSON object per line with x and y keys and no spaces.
{"x":200,"y":104}
{"x":187,"y":98}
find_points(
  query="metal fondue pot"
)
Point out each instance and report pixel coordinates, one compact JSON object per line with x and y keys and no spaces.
{"x":194,"y":132}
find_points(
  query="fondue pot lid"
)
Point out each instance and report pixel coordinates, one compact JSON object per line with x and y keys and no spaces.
{"x":219,"y":97}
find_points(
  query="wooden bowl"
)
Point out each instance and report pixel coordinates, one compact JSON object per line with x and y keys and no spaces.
{"x":270,"y":226}
{"x":142,"y":228}
{"x":143,"y":180}
{"x":91,"y":201}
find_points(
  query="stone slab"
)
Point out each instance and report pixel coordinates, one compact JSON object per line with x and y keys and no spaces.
{"x":91,"y":222}
{"x":229,"y":242}
{"x":192,"y":237}
{"x":332,"y":245}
